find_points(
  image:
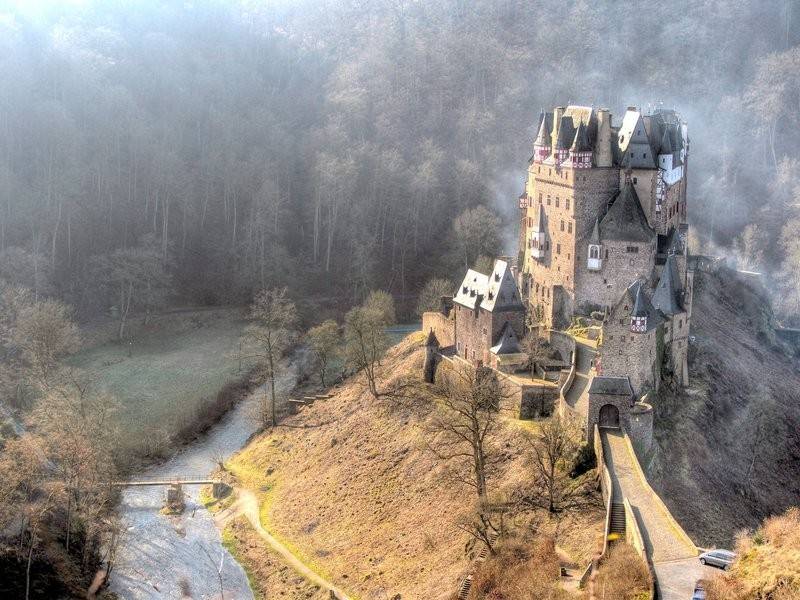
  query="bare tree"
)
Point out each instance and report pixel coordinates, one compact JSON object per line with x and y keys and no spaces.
{"x":365,"y":336}
{"x":273,"y":317}
{"x":463,"y":427}
{"x":323,"y":340}
{"x":134,"y":278}
{"x":430,"y":298}
{"x":554,"y":449}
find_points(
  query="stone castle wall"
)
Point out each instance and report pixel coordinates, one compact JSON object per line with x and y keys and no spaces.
{"x":443,"y":327}
{"x":603,"y":288}
{"x":572,"y":199}
{"x":624,"y":352}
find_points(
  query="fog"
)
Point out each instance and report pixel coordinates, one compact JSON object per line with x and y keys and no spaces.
{"x":330,"y":145}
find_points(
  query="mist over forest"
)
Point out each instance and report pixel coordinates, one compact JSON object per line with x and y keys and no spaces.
{"x":331,"y":145}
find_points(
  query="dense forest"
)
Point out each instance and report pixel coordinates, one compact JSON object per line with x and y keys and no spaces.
{"x":196,"y":152}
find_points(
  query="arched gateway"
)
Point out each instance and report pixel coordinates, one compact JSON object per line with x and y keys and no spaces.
{"x":609,"y":416}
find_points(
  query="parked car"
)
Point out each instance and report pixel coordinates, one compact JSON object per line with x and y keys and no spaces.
{"x":699,"y":590}
{"x":718,"y":558}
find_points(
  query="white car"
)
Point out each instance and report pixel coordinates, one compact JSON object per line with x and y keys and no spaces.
{"x":718,"y":558}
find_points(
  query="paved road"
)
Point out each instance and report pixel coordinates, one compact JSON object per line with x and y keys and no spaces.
{"x":661,"y":538}
{"x":578,"y":394}
{"x":676,"y":578}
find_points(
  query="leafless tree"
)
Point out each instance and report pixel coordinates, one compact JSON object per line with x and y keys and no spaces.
{"x":324,"y":340}
{"x":365,"y":336}
{"x":464,"y":424}
{"x":553,"y":450}
{"x":273,"y":317}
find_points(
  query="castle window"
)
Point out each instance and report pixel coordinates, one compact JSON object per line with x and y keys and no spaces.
{"x":611,"y":337}
{"x":566,"y":203}
{"x":632,"y":249}
{"x":562,"y":225}
{"x":548,"y":200}
{"x":540,"y":197}
{"x":558,"y":248}
{"x":635,"y":180}
{"x":556,"y":201}
{"x":606,"y":253}
{"x":644,"y":154}
{"x":569,"y":227}
{"x":594,"y":252}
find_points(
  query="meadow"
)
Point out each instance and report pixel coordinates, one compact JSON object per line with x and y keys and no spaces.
{"x":169,"y":376}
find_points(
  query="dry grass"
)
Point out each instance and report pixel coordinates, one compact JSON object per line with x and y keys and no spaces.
{"x":350,"y":487}
{"x":622,"y":575}
{"x":520,"y":571}
{"x":268,"y":576}
{"x":768,"y":564}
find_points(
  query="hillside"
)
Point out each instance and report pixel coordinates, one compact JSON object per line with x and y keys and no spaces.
{"x":350,"y":486}
{"x":729,"y":446}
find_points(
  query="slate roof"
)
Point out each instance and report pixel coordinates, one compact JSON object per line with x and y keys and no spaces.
{"x":508,"y":342}
{"x":636,"y":296}
{"x":496,"y":291}
{"x":543,"y":137}
{"x":667,"y":297}
{"x":595,"y":237}
{"x":612,"y":386}
{"x":566,"y":133}
{"x":581,"y":141}
{"x":625,"y":220}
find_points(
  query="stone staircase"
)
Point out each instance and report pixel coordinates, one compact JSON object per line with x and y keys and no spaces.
{"x":617,"y":525}
{"x":466,"y":585}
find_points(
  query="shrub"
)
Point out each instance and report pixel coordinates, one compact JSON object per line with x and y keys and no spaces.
{"x":622,"y":575}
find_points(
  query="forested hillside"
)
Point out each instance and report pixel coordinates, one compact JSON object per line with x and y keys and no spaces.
{"x":219,"y":147}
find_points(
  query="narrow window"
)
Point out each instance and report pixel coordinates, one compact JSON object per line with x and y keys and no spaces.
{"x":569,"y":227}
{"x":558,"y":248}
{"x":562,"y":225}
{"x":556,"y":201}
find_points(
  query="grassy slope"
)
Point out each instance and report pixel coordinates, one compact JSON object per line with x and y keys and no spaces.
{"x":173,"y":366}
{"x":707,"y":434}
{"x":349,"y":485}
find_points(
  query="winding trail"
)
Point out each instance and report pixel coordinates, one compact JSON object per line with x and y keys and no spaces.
{"x":247,"y":505}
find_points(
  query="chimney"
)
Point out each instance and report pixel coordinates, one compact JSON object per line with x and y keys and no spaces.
{"x":602,"y":147}
{"x":558,"y":112}
{"x":633,"y":108}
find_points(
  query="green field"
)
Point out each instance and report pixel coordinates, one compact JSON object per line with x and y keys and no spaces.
{"x":173,"y":368}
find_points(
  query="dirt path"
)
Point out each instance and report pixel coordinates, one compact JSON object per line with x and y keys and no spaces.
{"x":247,"y":505}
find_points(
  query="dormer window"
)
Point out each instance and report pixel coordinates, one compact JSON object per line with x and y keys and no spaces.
{"x":497,"y":276}
{"x":465,"y":290}
{"x":639,"y":324}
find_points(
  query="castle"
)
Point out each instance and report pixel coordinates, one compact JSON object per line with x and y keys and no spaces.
{"x":602,"y":269}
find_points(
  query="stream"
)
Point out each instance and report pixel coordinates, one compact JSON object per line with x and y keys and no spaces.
{"x":176,"y":557}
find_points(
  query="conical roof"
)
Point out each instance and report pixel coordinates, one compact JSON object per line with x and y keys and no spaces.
{"x":581,"y":141}
{"x":666,"y":142}
{"x":543,"y":137}
{"x":565,"y":133}
{"x":595,"y":237}
{"x":625,"y":220}
{"x":666,"y":298}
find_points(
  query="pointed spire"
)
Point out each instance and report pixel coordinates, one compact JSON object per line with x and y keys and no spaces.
{"x":543,"y":138}
{"x":564,"y":133}
{"x":581,"y":141}
{"x":666,"y":143}
{"x":640,"y":301}
{"x":595,"y":237}
{"x":666,"y":298}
